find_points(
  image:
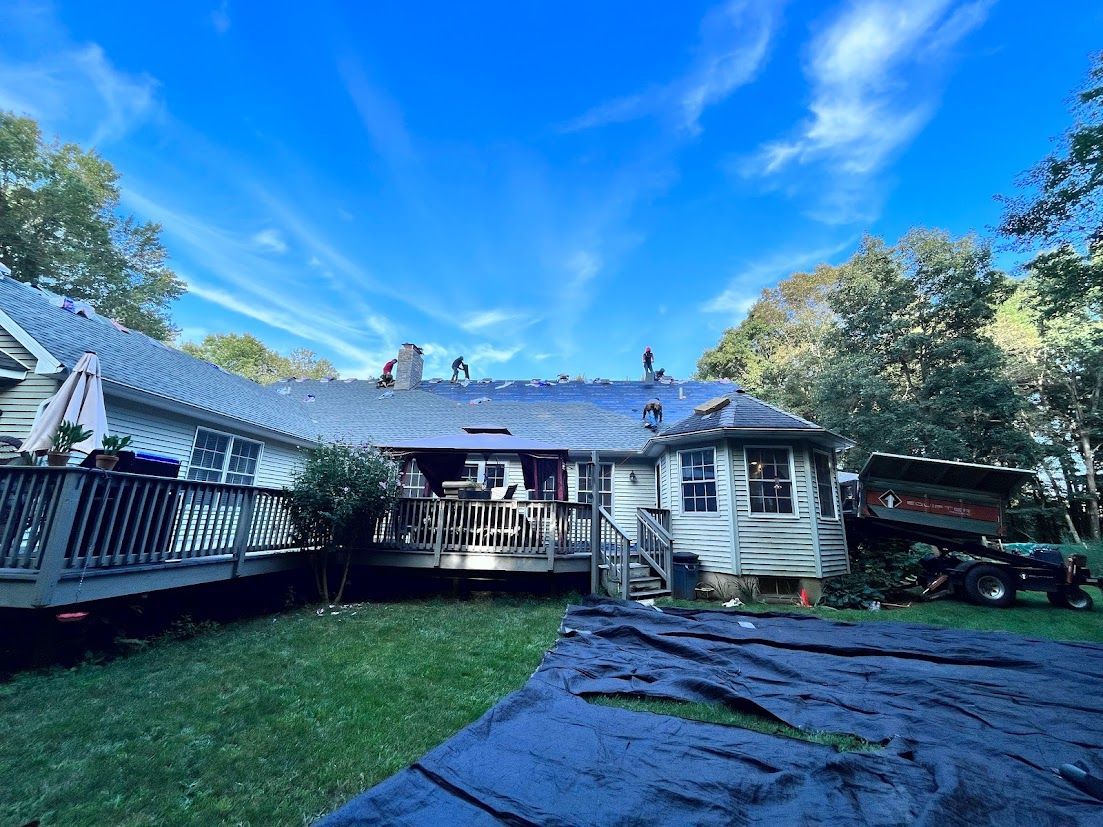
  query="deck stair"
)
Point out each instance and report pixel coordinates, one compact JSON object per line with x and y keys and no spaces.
{"x":646,"y":565}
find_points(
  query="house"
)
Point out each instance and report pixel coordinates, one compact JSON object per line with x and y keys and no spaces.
{"x":220,"y":426}
{"x":749,"y":488}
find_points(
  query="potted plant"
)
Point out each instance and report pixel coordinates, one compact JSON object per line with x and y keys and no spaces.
{"x":61,"y":446}
{"x":108,"y":457}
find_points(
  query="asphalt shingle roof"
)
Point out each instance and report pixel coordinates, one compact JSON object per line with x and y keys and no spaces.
{"x":358,"y":411}
{"x":742,"y":411}
{"x":133,"y":360}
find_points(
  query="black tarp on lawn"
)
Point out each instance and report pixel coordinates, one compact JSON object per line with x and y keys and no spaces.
{"x":974,"y":725}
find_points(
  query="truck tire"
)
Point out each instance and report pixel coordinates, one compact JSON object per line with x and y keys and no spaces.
{"x":990,"y":586}
{"x":1074,"y":598}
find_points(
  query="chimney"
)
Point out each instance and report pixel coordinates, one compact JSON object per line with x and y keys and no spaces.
{"x":407,"y":374}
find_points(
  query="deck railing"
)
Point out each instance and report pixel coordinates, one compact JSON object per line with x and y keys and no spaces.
{"x":615,"y":553}
{"x":485,"y":527}
{"x":55,"y":521}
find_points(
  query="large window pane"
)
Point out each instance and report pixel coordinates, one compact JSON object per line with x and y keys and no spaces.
{"x":699,"y":480}
{"x":770,"y":480}
{"x":825,"y":484}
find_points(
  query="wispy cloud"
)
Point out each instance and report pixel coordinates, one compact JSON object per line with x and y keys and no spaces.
{"x":494,"y":318}
{"x":744,"y":289}
{"x":270,"y":240}
{"x":734,"y":43}
{"x":874,"y":73}
{"x":220,"y":17}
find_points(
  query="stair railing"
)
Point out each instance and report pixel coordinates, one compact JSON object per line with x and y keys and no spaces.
{"x":615,"y":548}
{"x":655,"y":545}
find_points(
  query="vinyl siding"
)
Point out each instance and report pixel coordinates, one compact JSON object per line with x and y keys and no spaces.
{"x":834,"y":559}
{"x":162,"y":433}
{"x":708,"y":535}
{"x":628,"y":495}
{"x":19,"y":402}
{"x":780,"y":546}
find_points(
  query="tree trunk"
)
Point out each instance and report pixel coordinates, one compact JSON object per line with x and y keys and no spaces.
{"x":1091,"y":483}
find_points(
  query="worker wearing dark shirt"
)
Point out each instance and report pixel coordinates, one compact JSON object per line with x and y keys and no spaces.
{"x":459,"y":365}
{"x":648,"y":365}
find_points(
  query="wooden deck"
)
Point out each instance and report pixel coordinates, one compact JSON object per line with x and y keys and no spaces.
{"x":74,"y":535}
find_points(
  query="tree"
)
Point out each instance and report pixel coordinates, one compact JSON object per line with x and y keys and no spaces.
{"x":335,"y":502}
{"x":1060,"y":210}
{"x":914,"y":370}
{"x":60,"y":227}
{"x":248,"y":356}
{"x":777,"y":350}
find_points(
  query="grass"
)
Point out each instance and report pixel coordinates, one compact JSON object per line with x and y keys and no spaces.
{"x":720,"y":714}
{"x":278,"y":720}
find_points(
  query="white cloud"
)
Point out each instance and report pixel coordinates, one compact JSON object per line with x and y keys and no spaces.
{"x":874,"y":73}
{"x":270,"y":241}
{"x":735,"y":40}
{"x":77,"y":88}
{"x":744,"y":289}
{"x":494,"y":318}
{"x":220,"y":17}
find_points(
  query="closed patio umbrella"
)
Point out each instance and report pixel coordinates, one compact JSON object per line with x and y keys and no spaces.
{"x":80,"y":399}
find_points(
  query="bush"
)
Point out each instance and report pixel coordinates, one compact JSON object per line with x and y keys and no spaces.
{"x":878,"y":569}
{"x":343,"y":488}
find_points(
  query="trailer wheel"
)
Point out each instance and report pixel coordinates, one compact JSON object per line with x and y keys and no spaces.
{"x":989,"y":586}
{"x":1074,"y":598}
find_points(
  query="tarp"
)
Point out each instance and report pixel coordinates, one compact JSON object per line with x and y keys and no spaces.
{"x":973,"y":726}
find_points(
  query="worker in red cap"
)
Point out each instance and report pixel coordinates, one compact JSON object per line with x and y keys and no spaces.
{"x":648,"y":365}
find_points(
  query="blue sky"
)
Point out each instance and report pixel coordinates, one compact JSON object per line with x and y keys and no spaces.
{"x":542,"y":187}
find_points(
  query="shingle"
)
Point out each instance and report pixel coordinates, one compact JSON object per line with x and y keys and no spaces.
{"x":742,"y":411}
{"x":136,"y":361}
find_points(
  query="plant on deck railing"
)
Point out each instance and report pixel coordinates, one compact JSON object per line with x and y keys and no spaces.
{"x":67,"y":435}
{"x":341,"y":493}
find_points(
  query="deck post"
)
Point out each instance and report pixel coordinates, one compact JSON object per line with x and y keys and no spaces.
{"x":595,"y":527}
{"x":438,"y":537}
{"x":243,"y":529}
{"x":57,"y":541}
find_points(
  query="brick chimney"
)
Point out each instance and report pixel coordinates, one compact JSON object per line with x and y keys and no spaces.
{"x":407,"y":374}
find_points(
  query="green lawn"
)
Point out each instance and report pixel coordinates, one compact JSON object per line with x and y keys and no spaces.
{"x":281,"y":719}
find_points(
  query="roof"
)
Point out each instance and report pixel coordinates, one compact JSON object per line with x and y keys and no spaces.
{"x":8,"y":363}
{"x":991,"y":478}
{"x":137,"y":362}
{"x":476,"y":443}
{"x":741,"y":412}
{"x":356,"y":410}
{"x":625,"y":398}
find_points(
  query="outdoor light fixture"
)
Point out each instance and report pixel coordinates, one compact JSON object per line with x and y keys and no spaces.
{"x":631,"y":476}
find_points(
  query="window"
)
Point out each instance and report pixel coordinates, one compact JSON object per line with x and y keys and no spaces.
{"x":770,"y":479}
{"x":495,"y":475}
{"x":699,"y":480}
{"x":825,"y":484}
{"x":605,"y":484}
{"x":490,"y":474}
{"x":413,"y":481}
{"x":219,"y":457}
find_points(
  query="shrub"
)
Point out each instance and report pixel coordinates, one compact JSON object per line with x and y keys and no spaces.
{"x":342,"y":489}
{"x":877,"y":570}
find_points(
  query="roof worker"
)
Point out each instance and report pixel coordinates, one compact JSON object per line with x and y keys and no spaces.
{"x":457,"y":365}
{"x":648,"y":365}
{"x":387,"y":379}
{"x":655,"y":408}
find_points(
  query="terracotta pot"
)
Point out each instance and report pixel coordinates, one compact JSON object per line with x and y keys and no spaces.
{"x":56,"y":460}
{"x":106,"y":462}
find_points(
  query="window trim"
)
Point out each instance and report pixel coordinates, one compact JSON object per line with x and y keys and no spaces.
{"x":834,"y":486}
{"x":717,"y":514}
{"x":225,"y":460}
{"x":765,"y":515}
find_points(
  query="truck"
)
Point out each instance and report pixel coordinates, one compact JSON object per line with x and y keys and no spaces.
{"x":960,"y":509}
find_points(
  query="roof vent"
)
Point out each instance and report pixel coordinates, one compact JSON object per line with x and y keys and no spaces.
{"x":713,"y":405}
{"x":486,"y":429}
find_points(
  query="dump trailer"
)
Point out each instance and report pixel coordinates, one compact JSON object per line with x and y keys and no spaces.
{"x":959,"y":508}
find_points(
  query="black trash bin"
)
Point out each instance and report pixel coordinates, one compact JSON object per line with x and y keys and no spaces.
{"x":685,"y":574}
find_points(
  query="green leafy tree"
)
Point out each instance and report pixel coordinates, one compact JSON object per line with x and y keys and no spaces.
{"x":60,"y":227}
{"x":1060,"y":210}
{"x":781,"y":345}
{"x":914,"y":370}
{"x":335,"y":502}
{"x":248,"y":356}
